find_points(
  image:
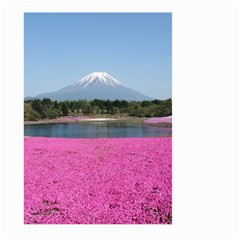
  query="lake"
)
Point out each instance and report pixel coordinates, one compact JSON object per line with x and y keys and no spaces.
{"x":98,"y":129}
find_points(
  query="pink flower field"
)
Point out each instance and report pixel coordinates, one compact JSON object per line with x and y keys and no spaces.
{"x":98,"y":181}
{"x":157,"y":120}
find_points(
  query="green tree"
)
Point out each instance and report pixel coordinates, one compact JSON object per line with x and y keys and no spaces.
{"x":30,"y":114}
{"x":37,"y":106}
{"x":64,"y":109}
{"x":52,"y":113}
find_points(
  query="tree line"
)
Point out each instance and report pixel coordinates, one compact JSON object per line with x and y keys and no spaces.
{"x":46,"y":108}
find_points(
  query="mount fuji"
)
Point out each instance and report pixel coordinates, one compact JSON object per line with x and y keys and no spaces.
{"x":97,"y":85}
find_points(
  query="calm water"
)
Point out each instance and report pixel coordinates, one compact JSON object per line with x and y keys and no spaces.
{"x":95,"y":130}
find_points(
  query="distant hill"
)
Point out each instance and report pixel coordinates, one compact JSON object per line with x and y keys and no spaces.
{"x":29,"y":98}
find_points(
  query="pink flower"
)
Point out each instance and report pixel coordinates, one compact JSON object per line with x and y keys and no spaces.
{"x":98,"y":181}
{"x":158,"y":120}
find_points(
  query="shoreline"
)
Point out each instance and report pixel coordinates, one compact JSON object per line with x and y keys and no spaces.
{"x":72,"y":120}
{"x":103,"y":138}
{"x":78,"y":119}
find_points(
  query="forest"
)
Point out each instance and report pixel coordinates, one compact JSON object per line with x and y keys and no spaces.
{"x":36,"y":109}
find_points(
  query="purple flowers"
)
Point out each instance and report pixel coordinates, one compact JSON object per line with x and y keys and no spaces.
{"x":98,"y":181}
{"x":159,"y":120}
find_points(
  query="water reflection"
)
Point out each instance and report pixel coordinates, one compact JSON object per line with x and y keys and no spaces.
{"x":114,"y":129}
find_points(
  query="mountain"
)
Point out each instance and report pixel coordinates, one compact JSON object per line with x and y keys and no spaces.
{"x":97,"y":85}
{"x":29,"y":98}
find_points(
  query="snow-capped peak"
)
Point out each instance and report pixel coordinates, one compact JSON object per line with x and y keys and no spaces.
{"x":96,"y":78}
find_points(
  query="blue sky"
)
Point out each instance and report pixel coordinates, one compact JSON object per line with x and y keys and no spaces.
{"x":135,"y":48}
